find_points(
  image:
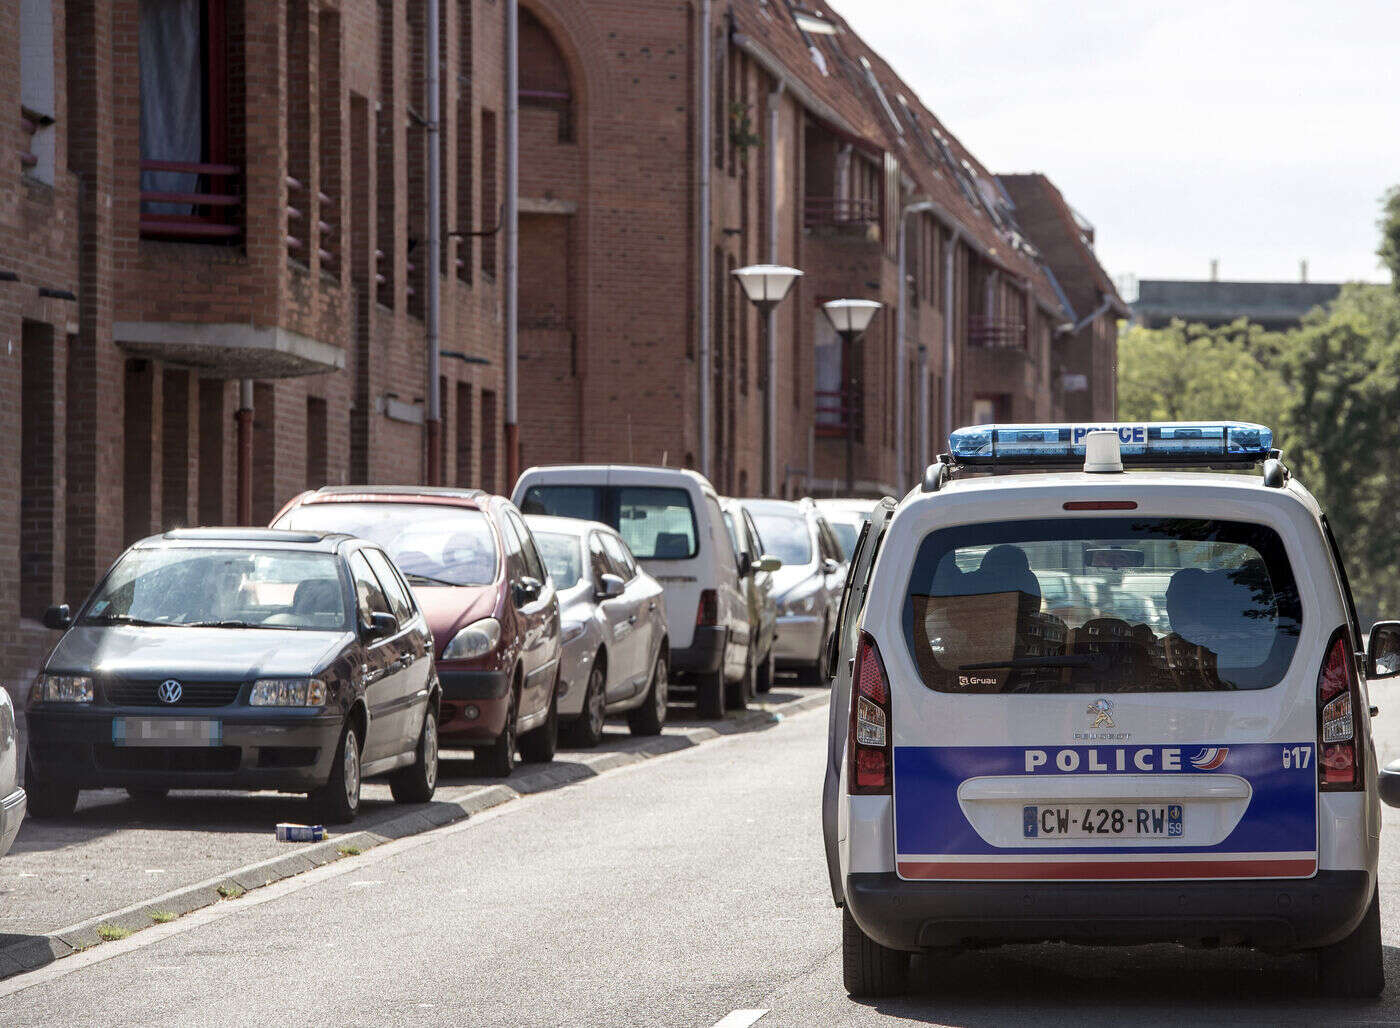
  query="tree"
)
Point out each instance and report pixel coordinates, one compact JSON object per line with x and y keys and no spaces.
{"x":1389,"y":224}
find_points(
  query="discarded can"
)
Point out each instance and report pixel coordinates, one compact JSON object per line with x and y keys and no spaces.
{"x":300,"y":833}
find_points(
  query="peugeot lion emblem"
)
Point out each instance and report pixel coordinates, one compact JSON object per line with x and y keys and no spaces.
{"x":170,"y":691}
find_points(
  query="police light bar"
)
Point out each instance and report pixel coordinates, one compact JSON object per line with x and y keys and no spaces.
{"x":1146,"y":444}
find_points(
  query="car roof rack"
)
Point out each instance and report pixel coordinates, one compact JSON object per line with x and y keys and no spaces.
{"x":1219,"y":445}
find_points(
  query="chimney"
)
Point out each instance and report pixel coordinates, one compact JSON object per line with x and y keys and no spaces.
{"x":1303,"y":271}
{"x":1215,"y":269}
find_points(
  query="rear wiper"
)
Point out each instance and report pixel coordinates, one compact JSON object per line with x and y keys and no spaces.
{"x":122,"y":619}
{"x":1089,"y":660}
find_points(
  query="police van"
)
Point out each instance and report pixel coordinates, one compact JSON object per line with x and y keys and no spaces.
{"x":1177,"y":749}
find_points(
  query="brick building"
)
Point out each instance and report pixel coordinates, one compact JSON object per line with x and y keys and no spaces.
{"x":214,"y":217}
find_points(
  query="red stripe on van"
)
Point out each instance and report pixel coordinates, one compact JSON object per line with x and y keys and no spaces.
{"x":1104,"y":869}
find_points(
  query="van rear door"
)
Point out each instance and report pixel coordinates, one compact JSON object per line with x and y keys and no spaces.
{"x":1042,"y":742}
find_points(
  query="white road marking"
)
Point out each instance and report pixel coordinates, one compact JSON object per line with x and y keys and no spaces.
{"x":344,"y":866}
{"x":739,"y":1018}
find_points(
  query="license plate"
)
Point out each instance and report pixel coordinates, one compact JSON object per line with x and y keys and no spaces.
{"x":1150,"y":821}
{"x":166,"y":731}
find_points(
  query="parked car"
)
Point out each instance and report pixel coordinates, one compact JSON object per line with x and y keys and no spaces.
{"x":614,"y":629}
{"x":807,"y":586}
{"x":474,"y":567}
{"x":12,"y":797}
{"x":756,"y":572}
{"x":846,"y":518}
{"x":670,"y":519}
{"x":220,"y":658}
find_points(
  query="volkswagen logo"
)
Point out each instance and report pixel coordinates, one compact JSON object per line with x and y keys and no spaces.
{"x":170,"y":691}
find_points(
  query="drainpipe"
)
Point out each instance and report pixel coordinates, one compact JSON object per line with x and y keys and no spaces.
{"x":433,"y":422}
{"x":923,"y":460}
{"x":949,"y":253}
{"x":901,"y":320}
{"x":770,"y":399}
{"x":511,"y":218}
{"x":243,"y":417}
{"x":703,"y":235}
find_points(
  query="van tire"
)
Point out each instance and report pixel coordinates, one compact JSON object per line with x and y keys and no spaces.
{"x":869,"y":970}
{"x":739,"y":694}
{"x":709,"y":694}
{"x":766,"y":671}
{"x":538,"y":746}
{"x":48,"y":799}
{"x":1353,"y":968}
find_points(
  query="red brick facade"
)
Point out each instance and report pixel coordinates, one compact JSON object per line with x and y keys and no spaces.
{"x":290,"y":254}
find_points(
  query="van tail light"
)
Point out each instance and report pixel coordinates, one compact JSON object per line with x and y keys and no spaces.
{"x":1338,"y":769}
{"x":708,"y":611}
{"x":870,"y":772}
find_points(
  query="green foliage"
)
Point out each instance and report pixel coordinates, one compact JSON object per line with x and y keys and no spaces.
{"x":741,"y":134}
{"x":1389,"y":250}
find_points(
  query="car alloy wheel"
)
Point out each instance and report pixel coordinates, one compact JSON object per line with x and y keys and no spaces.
{"x":597,"y":702}
{"x":661,"y":689}
{"x":430,"y":750}
{"x":351,"y":771}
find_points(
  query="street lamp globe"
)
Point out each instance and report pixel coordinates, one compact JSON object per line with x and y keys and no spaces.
{"x":850,"y":318}
{"x":766,"y":284}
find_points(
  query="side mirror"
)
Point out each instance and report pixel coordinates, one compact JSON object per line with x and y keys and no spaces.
{"x":381,"y":625}
{"x":58,"y":618}
{"x":1389,"y":784}
{"x":1383,"y":651}
{"x":610,"y":587}
{"x":527,"y":590}
{"x":746,"y":564}
{"x":830,"y":566}
{"x":768,"y":563}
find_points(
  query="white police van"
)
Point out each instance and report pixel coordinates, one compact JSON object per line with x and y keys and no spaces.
{"x":1177,"y":749}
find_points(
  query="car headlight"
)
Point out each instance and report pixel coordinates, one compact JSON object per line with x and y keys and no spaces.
{"x":61,"y":689}
{"x":477,"y":639}
{"x":572,"y":630}
{"x":288,"y":692}
{"x":803,"y":603}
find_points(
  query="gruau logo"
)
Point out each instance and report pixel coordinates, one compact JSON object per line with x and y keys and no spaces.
{"x":170,"y":691}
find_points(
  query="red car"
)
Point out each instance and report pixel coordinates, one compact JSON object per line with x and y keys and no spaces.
{"x":478,"y":576}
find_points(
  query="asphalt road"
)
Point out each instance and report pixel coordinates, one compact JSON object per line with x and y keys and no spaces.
{"x":674,"y":892}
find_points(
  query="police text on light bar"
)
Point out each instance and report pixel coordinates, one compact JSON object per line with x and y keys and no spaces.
{"x":1142,"y":444}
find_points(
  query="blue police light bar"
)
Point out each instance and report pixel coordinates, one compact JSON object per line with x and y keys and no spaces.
{"x":1147,"y":444}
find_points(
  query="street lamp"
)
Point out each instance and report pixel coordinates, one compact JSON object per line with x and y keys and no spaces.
{"x":850,"y":318}
{"x":766,"y":285}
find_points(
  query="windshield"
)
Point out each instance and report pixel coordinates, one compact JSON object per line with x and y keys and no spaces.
{"x":563,"y":556}
{"x":223,"y":588}
{"x":846,"y":534}
{"x":656,"y":522}
{"x":432,"y":545}
{"x":784,"y":536}
{"x":1102,"y":605}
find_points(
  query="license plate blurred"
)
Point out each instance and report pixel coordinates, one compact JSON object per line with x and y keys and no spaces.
{"x":1150,"y":821}
{"x":166,"y":731}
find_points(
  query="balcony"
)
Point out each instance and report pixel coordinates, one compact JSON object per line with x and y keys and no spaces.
{"x":993,"y":333}
{"x":840,"y":211}
{"x":836,"y":411}
{"x":207,"y":212}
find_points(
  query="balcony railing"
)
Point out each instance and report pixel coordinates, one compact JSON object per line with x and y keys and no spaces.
{"x":835,"y":411}
{"x":995,"y":333}
{"x":210,"y":210}
{"x":840,"y":210}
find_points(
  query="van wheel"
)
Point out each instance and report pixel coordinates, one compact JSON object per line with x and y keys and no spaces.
{"x":338,"y":801}
{"x":1353,"y":968}
{"x":738,"y":695}
{"x":586,"y":730}
{"x":538,"y":746}
{"x":867,"y":968}
{"x":48,"y":799}
{"x":417,"y":782}
{"x":766,"y":670}
{"x":498,"y":759}
{"x":709,"y":694}
{"x":651,"y":715}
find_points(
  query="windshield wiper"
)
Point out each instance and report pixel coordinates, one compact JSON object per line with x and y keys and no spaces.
{"x":123,"y":619}
{"x":428,"y":579}
{"x":227,"y":623}
{"x":1096,"y":661}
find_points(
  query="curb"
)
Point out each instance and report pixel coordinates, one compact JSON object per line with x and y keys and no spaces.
{"x":41,"y":950}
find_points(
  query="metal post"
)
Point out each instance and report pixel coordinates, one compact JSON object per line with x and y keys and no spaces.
{"x":922,"y":428}
{"x":848,"y":344}
{"x":244,"y":420}
{"x":900,"y":318}
{"x":511,"y":228}
{"x":948,"y":263}
{"x":702,"y":350}
{"x":770,"y":342}
{"x":433,"y":422}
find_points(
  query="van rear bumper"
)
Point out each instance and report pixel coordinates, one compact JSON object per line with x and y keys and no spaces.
{"x":1277,"y":914}
{"x":704,"y":655}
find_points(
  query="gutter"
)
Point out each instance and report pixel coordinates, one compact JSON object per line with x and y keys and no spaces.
{"x":1103,"y":308}
{"x":704,"y":151}
{"x":805,"y":96}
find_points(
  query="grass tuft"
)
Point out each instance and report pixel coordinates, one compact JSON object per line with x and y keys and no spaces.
{"x":112,"y":932}
{"x":349,"y":851}
{"x":231,"y":890}
{"x":163,"y":916}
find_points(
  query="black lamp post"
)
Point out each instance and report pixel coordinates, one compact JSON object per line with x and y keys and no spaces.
{"x":850,"y":318}
{"x":766,"y":285}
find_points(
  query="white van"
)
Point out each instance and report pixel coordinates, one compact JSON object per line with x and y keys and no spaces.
{"x":1001,"y":773}
{"x":671,"y":520}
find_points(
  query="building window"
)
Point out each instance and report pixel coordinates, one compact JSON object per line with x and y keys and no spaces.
{"x":464,"y":434}
{"x":38,"y":106}
{"x":830,"y":406}
{"x":417,"y":202}
{"x":488,"y":440}
{"x":490,"y":216}
{"x":386,"y":245}
{"x":330,"y":127}
{"x":544,"y":76}
{"x":39,"y":481}
{"x":189,"y":183}
{"x":297,"y":77}
{"x":317,"y":440}
{"x":465,"y":206}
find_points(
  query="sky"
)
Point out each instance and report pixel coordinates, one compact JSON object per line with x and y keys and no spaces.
{"x":1256,"y":133}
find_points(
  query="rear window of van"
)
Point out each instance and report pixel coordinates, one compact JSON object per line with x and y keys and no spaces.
{"x":656,"y":522}
{"x":1102,"y":605}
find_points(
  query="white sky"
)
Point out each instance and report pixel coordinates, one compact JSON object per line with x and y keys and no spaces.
{"x":1256,"y":131}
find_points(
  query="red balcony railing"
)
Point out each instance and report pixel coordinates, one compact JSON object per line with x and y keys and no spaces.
{"x":836,"y":410}
{"x":840,"y":210}
{"x":210,"y":209}
{"x":995,"y":333}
